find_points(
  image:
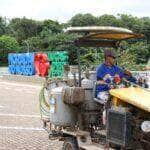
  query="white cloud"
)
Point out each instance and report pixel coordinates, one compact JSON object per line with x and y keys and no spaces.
{"x":63,"y":10}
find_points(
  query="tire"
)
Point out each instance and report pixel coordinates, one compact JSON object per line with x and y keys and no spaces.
{"x":70,"y":144}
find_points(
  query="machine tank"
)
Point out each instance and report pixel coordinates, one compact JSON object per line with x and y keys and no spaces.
{"x":89,"y":109}
{"x":61,"y":114}
{"x":87,"y":84}
{"x":92,"y":75}
{"x":89,"y":103}
{"x":88,"y":87}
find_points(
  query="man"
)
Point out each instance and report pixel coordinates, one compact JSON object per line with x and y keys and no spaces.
{"x":106,"y":73}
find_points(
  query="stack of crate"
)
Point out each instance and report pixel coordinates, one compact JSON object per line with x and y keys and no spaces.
{"x":59,"y":59}
{"x":21,"y":63}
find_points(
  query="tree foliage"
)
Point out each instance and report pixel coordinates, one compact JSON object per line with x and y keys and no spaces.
{"x":34,"y":43}
{"x":8,"y":43}
{"x":23,"y":28}
{"x":108,"y":20}
{"x":2,"y":26}
{"x":48,"y":35}
{"x":83,"y":20}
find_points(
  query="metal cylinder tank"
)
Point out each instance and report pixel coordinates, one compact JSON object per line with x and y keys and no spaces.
{"x":92,"y":75}
{"x":89,"y":108}
{"x":89,"y":103}
{"x":61,"y":114}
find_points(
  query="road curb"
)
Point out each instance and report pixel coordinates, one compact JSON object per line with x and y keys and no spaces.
{"x":24,"y":79}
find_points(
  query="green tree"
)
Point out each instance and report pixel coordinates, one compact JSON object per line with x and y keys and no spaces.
{"x":145,"y":27}
{"x":52,"y":26}
{"x":63,"y":42}
{"x":108,"y":20}
{"x":83,"y":20}
{"x":2,"y":25}
{"x":130,"y":22}
{"x":141,"y":50}
{"x":7,"y":44}
{"x":92,"y":57}
{"x":33,"y":42}
{"x":23,"y":28}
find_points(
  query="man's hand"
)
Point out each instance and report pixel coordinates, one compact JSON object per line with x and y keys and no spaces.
{"x":128,"y":73}
{"x":117,"y":79}
{"x":111,"y":87}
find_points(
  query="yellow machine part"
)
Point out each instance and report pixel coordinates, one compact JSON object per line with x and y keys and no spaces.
{"x":132,"y":95}
{"x":118,"y":102}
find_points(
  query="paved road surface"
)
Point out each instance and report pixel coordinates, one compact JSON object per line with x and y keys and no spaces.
{"x":20,"y":124}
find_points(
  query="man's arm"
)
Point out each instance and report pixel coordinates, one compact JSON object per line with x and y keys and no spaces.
{"x":128,"y":76}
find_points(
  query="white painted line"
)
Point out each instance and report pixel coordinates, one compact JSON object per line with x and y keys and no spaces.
{"x":20,"y":84}
{"x":21,"y":128}
{"x":20,"y":90}
{"x":7,"y":88}
{"x":20,"y":115}
{"x":27,"y":91}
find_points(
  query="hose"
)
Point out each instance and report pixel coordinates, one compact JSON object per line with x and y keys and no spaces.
{"x":43,"y":104}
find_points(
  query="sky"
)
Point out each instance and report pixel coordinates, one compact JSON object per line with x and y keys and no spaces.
{"x":63,"y":10}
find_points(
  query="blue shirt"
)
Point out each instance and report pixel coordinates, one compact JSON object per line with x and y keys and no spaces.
{"x":102,"y":70}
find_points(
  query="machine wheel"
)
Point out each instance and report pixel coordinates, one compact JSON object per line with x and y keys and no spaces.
{"x":70,"y":144}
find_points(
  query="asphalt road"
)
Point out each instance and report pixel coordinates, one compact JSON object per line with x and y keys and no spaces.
{"x":20,"y":123}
